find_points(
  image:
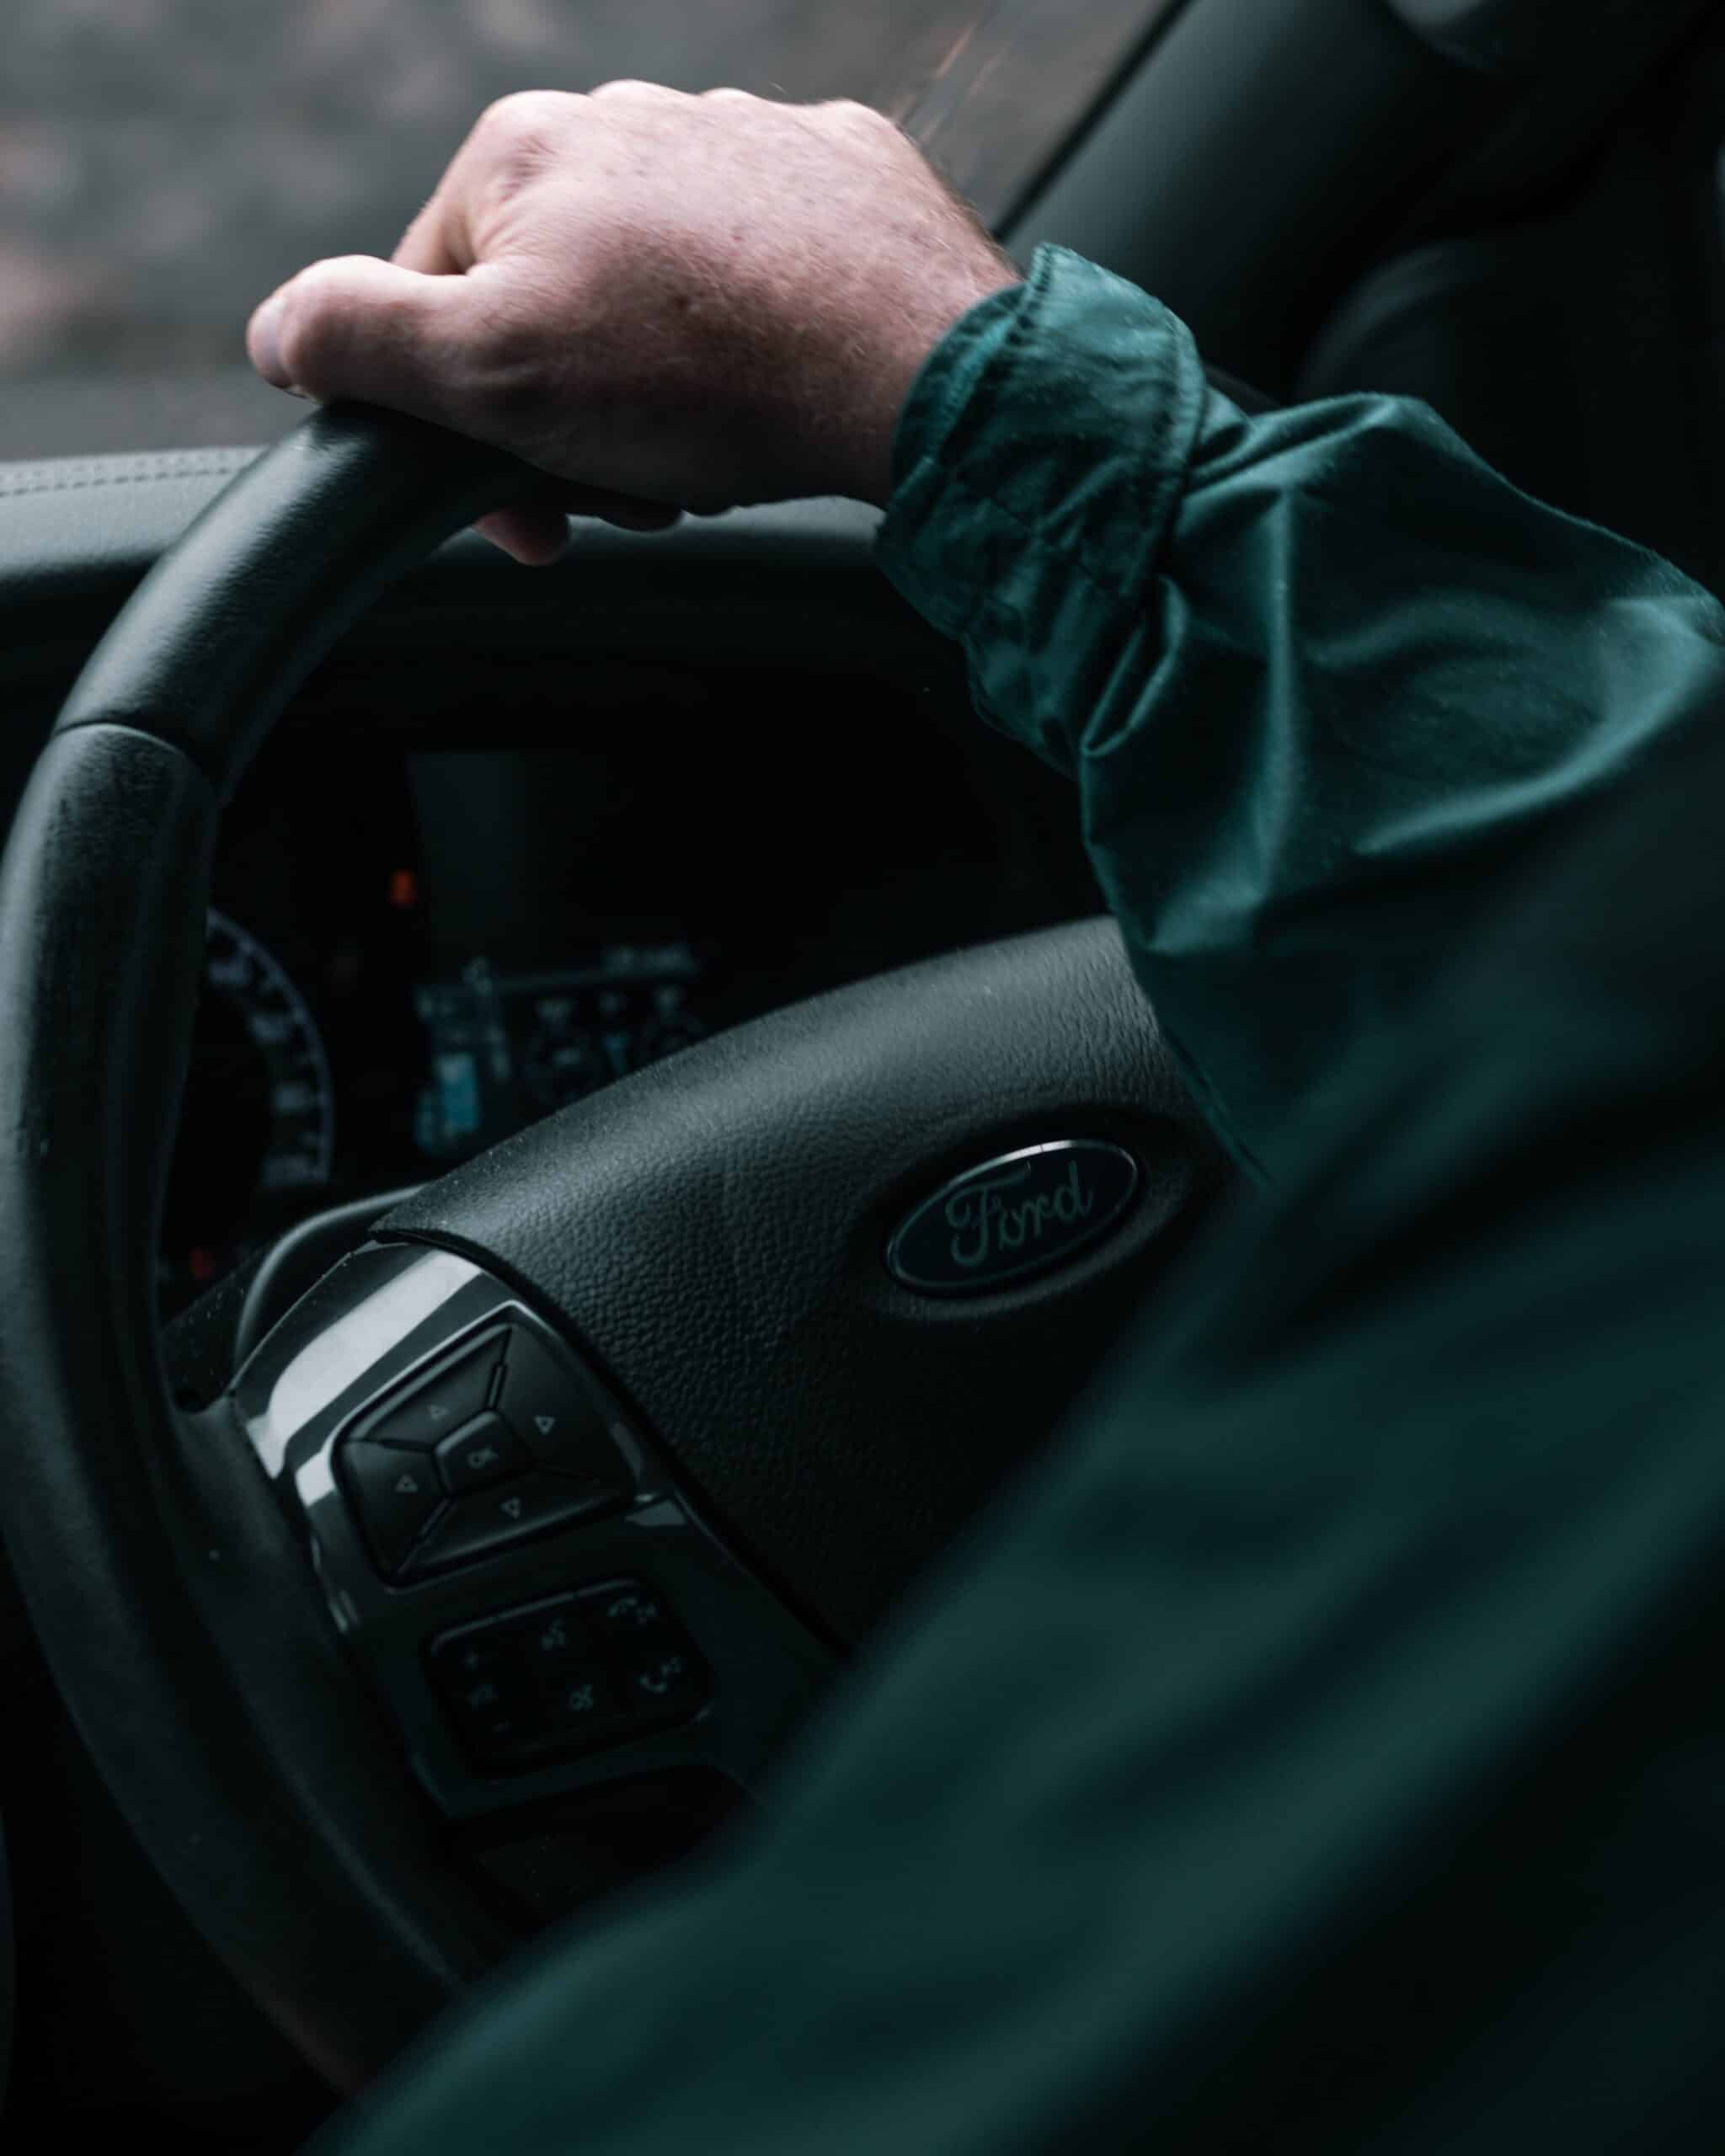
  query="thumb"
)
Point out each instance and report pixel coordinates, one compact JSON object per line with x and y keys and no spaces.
{"x":357,"y":325}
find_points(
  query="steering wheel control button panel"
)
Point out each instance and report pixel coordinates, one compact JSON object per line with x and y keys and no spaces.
{"x":507,"y":1554}
{"x":436,"y":1406}
{"x":560,"y":1677}
{"x":501,"y":1442}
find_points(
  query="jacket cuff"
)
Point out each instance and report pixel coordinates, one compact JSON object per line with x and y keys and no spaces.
{"x":1053,"y":426}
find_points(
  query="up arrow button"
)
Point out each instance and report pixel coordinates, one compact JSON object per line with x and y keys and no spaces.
{"x":422,"y":1415}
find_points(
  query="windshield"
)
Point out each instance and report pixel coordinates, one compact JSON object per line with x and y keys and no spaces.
{"x":163,"y":167}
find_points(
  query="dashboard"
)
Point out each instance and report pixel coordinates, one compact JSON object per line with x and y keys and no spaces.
{"x":428,"y":930}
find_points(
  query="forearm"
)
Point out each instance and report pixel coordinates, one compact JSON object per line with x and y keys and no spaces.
{"x":1321,"y":676}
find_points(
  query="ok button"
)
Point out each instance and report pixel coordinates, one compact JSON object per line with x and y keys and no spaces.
{"x":482,"y":1451}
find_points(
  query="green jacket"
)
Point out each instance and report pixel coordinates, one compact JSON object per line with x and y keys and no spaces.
{"x":1321,"y":1747}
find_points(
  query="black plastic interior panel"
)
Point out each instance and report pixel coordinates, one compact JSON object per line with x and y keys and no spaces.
{"x":1576,"y":350}
{"x":1283,"y":220}
{"x":1525,"y":37}
{"x":122,"y":2012}
{"x":6,"y":1968}
{"x":1320,"y":136}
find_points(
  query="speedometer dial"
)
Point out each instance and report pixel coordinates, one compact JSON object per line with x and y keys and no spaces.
{"x":257,"y":1122}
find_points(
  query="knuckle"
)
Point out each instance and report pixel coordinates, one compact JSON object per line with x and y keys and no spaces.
{"x":627,"y":86}
{"x":522,"y":116}
{"x":517,"y":138}
{"x":849,"y":112}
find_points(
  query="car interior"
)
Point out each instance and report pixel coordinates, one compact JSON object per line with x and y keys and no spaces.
{"x":644,"y":942}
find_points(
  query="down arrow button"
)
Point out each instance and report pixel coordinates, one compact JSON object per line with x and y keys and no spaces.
{"x":549,"y":1408}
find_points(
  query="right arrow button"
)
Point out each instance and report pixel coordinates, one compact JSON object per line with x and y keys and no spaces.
{"x":554,"y":1416}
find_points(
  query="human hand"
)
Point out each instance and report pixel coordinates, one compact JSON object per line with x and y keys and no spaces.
{"x":668,"y":301}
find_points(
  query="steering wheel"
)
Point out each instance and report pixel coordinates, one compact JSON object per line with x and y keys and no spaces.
{"x":603,"y":1453}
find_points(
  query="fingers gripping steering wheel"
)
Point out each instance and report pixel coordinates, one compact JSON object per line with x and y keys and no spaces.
{"x":602,"y":1451}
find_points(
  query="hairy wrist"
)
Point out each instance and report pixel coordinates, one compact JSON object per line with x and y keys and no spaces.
{"x":919,"y":327}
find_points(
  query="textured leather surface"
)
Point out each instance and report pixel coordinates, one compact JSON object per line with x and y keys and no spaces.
{"x":228,"y":624}
{"x":168,"y":1595}
{"x":198,"y":1345}
{"x":173,"y":1607}
{"x":712,"y":1229}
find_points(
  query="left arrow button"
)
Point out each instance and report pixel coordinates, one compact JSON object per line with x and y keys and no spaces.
{"x":398,"y":1495}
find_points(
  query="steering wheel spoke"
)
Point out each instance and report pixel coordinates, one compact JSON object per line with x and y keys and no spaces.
{"x":510,"y":1558}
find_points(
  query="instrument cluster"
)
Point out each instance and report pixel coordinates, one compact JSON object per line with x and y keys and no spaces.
{"x":428,"y":930}
{"x":360,"y":1027}
{"x":273,"y":1123}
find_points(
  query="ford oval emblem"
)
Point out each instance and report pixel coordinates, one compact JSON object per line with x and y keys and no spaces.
{"x":1021,"y":1213}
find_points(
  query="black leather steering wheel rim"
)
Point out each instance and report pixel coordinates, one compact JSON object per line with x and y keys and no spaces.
{"x":103,"y":893}
{"x":168,"y":1587}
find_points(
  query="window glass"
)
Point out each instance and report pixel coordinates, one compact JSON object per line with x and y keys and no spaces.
{"x":164,"y":165}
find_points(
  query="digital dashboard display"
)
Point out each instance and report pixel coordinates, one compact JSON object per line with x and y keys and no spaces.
{"x":403,"y":970}
{"x":506,"y":1048}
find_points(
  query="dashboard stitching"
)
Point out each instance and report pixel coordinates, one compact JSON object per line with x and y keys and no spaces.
{"x":129,"y":479}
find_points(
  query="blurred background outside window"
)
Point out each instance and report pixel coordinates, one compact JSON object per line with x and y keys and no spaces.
{"x":164,"y":163}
